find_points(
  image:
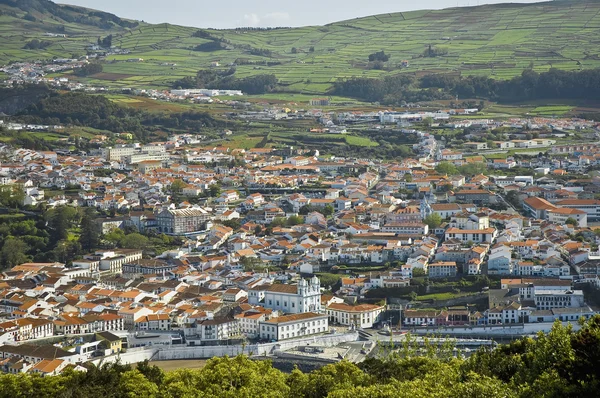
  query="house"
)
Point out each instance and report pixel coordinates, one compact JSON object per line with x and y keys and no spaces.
{"x":499,"y":261}
{"x":471,"y":235}
{"x":475,"y":145}
{"x":249,"y":321}
{"x":294,"y":326}
{"x":218,"y":328}
{"x":153,"y":322}
{"x":425,"y":318}
{"x":360,"y":316}
{"x":447,"y":210}
{"x":442,"y":269}
{"x":234,"y":295}
{"x":476,"y":196}
{"x":113,"y":342}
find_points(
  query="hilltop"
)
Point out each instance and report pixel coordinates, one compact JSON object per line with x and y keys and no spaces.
{"x":499,"y":41}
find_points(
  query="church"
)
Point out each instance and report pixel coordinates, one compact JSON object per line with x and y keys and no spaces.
{"x":290,"y":299}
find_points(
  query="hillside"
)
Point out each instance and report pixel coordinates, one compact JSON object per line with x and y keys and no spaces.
{"x":492,"y":40}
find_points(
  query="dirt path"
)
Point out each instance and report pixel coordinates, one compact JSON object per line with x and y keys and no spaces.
{"x":180,"y":364}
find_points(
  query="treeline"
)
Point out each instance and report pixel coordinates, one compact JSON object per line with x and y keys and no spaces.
{"x":389,"y":90}
{"x":36,"y":44}
{"x":530,"y":85}
{"x":89,"y":69}
{"x":562,"y":364}
{"x":80,"y":109}
{"x":225,"y":80}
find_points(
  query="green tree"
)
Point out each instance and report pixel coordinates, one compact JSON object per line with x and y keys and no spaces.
{"x":294,"y":220}
{"x":133,"y":384}
{"x":135,"y":241}
{"x":90,"y":232}
{"x":446,"y":168}
{"x":12,"y":196}
{"x":177,"y":186}
{"x":115,"y":236}
{"x":60,"y":219}
{"x":433,"y":220}
{"x":328,"y":210}
{"x":471,"y":169}
{"x":513,"y":198}
{"x":13,"y":252}
{"x":571,"y":221}
{"x":214,"y":190}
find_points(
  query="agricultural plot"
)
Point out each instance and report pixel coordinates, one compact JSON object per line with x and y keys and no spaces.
{"x":492,"y":40}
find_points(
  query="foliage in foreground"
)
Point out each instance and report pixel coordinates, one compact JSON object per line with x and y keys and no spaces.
{"x":562,"y":363}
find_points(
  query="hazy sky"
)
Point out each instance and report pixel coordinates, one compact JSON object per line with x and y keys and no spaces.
{"x":235,"y":13}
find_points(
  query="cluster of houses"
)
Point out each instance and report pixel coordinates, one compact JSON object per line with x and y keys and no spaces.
{"x":239,"y":211}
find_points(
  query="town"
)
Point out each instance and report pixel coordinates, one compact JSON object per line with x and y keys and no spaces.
{"x":267,"y":249}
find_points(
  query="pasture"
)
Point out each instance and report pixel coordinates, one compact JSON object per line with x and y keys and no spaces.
{"x":492,"y":40}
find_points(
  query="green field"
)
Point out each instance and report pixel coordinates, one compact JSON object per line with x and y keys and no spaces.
{"x":491,"y":40}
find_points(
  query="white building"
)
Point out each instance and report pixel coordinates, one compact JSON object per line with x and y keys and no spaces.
{"x":549,"y":299}
{"x":291,"y":299}
{"x":293,"y":326}
{"x":360,"y":316}
{"x":472,"y":235}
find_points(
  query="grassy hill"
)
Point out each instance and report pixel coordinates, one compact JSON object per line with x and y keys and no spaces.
{"x":491,"y":40}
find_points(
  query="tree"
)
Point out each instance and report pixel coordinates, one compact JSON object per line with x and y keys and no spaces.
{"x":89,"y":69}
{"x":233,"y":224}
{"x":446,"y":168}
{"x":418,"y":272}
{"x":571,"y":221}
{"x":513,"y":198}
{"x":135,"y":241}
{"x":60,"y":220}
{"x":106,"y":42}
{"x":433,"y":220}
{"x":214,"y":190}
{"x":471,"y":169}
{"x":177,"y":186}
{"x":294,"y":220}
{"x":294,"y":50}
{"x":115,"y":236}
{"x":379,"y":56}
{"x":328,"y":210}
{"x":90,"y":232}
{"x":13,"y":253}
{"x":12,"y":196}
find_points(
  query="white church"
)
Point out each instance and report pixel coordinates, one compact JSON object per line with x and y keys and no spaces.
{"x":290,"y":299}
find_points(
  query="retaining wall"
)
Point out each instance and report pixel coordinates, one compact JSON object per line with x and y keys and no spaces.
{"x":171,"y":353}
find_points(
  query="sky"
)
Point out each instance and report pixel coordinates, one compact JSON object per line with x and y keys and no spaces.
{"x":263,"y":13}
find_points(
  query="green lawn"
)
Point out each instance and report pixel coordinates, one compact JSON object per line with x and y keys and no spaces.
{"x":443,"y":296}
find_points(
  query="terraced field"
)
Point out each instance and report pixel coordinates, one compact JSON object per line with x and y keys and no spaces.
{"x":493,"y":40}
